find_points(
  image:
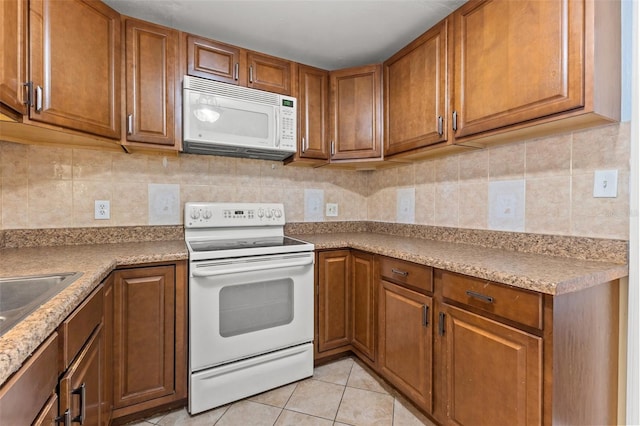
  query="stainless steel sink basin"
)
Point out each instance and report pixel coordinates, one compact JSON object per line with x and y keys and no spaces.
{"x":19,"y":296}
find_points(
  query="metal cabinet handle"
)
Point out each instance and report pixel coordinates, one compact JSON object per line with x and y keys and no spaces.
{"x":130,"y":124}
{"x":236,"y":71}
{"x":82,"y":391}
{"x":38,"y":99}
{"x":65,"y":418}
{"x":479,"y":296}
{"x":441,"y":324}
{"x":333,"y":148}
{"x":399,"y":272}
{"x":250,"y":73}
{"x":28,"y":97}
{"x":425,"y":315}
{"x":455,"y":120}
{"x":304,"y":145}
{"x":440,"y":129}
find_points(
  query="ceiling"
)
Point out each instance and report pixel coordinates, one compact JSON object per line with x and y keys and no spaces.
{"x":329,"y":34}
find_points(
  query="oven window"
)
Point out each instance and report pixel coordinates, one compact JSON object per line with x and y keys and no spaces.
{"x":256,"y":306}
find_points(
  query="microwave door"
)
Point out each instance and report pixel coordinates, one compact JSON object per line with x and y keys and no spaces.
{"x":230,"y":121}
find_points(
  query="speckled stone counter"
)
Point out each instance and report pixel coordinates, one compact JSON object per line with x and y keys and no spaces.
{"x":542,"y":273}
{"x":94,"y":261}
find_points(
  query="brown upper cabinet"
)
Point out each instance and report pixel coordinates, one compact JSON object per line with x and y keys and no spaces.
{"x":152,"y":82}
{"x":75,"y":65}
{"x":313,"y":114}
{"x":13,"y":56}
{"x":356,"y":113}
{"x":415,"y":89}
{"x":230,"y":64}
{"x":532,"y":62}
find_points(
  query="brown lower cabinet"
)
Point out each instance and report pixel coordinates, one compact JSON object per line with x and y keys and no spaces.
{"x":149,"y":338}
{"x":468,"y":351}
{"x":121,"y":354}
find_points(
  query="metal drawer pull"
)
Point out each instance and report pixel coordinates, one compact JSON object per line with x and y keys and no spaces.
{"x":82,"y":391}
{"x":399,"y":272}
{"x":479,"y":296}
{"x":425,"y":315}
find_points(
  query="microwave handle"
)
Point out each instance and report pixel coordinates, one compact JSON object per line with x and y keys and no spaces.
{"x":277,"y":142}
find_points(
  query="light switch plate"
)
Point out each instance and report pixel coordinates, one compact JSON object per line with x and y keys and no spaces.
{"x":331,"y":209}
{"x":605,"y":183}
{"x":313,"y":202}
{"x":506,"y":205}
{"x":164,"y":204}
{"x":406,"y":205}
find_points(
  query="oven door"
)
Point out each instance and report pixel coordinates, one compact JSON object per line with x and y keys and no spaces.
{"x":242,"y":307}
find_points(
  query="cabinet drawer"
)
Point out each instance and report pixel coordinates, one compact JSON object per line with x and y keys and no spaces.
{"x":27,"y":391}
{"x":419,"y":277}
{"x":76,"y":329}
{"x":522,"y":306}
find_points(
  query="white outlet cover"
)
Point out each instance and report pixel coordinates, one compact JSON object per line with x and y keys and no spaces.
{"x":164,"y":204}
{"x":605,"y":183}
{"x":102,"y":210}
{"x":406,"y":205}
{"x":506,"y":205}
{"x":313,"y":203}
{"x":331,"y":209}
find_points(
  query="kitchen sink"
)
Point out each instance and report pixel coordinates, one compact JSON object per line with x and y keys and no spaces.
{"x":20,"y":296}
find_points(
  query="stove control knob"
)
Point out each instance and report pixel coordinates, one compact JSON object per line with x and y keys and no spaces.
{"x":195,"y":214}
{"x":207,"y":214}
{"x":268,"y":214}
{"x":277,"y":213}
{"x":260,"y":213}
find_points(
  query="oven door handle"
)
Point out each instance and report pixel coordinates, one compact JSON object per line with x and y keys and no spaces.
{"x":212,"y":271}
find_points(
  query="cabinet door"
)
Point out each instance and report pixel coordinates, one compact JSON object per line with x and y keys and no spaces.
{"x":516,"y":61}
{"x":313,"y":111}
{"x":356,"y":113}
{"x":269,"y":73}
{"x":144,"y":332}
{"x":210,"y":59}
{"x":494,"y":372}
{"x":363,"y":312}
{"x":13,"y":56}
{"x":333,"y":299}
{"x":75,"y":65}
{"x":151,"y":82}
{"x":405,"y":334}
{"x":81,"y":388}
{"x":415,"y":83}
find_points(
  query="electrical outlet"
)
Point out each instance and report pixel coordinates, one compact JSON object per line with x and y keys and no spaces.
{"x":331,"y":209}
{"x":102,"y":209}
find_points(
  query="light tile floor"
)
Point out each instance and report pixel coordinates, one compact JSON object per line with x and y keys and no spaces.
{"x":343,"y":392}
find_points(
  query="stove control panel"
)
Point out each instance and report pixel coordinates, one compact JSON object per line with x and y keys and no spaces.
{"x":222,"y":215}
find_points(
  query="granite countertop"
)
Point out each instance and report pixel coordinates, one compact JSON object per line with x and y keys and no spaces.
{"x":542,"y":273}
{"x":94,"y":261}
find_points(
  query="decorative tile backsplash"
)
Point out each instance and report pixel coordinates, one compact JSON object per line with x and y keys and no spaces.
{"x":52,"y":187}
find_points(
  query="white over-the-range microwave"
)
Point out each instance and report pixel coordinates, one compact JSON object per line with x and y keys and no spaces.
{"x":228,"y":120}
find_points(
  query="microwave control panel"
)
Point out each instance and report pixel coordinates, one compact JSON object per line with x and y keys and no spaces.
{"x":288,"y":117}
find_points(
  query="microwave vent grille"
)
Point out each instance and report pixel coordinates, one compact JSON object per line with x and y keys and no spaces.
{"x":211,"y":87}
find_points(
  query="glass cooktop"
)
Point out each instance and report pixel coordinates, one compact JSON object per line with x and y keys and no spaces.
{"x":243,"y":243}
